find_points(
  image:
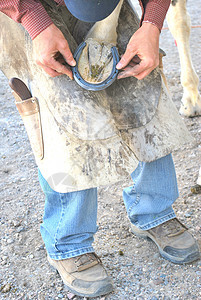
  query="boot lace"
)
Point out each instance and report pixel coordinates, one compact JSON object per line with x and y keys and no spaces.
{"x":173,"y":227}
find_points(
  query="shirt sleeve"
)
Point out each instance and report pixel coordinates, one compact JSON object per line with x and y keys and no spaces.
{"x":154,"y":11}
{"x":31,"y":14}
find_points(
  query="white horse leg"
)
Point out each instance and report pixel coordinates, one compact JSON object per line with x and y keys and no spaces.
{"x":105,"y":30}
{"x":196,"y":189}
{"x":95,"y":63}
{"x":199,"y":178}
{"x":179,"y":25}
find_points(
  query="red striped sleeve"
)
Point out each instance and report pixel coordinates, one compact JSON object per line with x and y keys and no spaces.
{"x":31,"y":14}
{"x":154,"y":11}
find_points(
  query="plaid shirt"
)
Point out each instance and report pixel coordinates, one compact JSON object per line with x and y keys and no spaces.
{"x":32,"y":15}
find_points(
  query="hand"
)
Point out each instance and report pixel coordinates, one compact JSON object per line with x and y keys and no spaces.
{"x":47,"y":45}
{"x":142,"y":53}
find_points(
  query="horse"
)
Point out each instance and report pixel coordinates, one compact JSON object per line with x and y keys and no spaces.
{"x":179,"y":23}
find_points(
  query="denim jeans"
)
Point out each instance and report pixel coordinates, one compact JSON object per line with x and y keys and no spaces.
{"x":69,"y":221}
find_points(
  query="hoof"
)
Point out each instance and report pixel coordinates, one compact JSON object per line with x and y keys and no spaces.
{"x":187,"y":109}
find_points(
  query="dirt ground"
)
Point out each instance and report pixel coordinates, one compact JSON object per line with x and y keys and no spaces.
{"x":134,"y":264}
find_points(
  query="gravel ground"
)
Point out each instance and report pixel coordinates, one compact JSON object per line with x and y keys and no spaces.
{"x":137,"y":269}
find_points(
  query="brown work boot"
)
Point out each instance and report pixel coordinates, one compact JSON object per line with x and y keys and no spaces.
{"x":84,"y":275}
{"x":174,"y":241}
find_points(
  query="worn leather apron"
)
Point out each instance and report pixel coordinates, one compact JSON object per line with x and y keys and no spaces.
{"x":93,"y":138}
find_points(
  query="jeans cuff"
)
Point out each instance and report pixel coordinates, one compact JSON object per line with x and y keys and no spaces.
{"x":69,"y":254}
{"x":157,"y":222}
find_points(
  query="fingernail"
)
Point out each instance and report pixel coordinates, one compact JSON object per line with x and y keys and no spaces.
{"x":70,"y":76}
{"x":119,"y":77}
{"x":73,"y":62}
{"x":119,"y":65}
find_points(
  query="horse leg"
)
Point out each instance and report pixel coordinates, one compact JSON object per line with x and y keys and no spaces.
{"x":105,"y":30}
{"x":179,"y":24}
{"x":196,"y":189}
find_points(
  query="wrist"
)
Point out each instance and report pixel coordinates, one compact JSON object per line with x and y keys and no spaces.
{"x":151,"y":27}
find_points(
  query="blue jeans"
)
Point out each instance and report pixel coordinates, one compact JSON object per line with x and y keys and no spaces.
{"x":69,"y":222}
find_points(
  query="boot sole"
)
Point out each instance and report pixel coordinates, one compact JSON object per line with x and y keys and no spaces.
{"x":188,"y":259}
{"x":108,"y":288}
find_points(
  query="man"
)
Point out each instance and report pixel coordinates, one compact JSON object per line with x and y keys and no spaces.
{"x":70,"y":218}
